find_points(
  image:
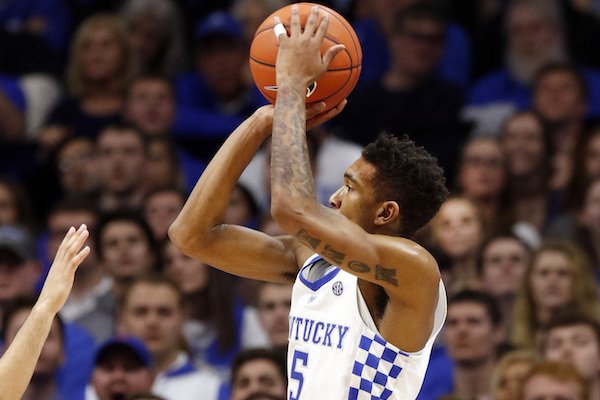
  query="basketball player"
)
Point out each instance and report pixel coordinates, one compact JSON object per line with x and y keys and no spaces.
{"x":19,"y":360}
{"x":368,"y":305}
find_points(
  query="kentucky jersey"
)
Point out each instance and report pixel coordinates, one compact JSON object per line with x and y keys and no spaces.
{"x":335,"y":350}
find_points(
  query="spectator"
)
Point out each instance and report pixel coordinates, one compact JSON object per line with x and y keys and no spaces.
{"x":127,"y":250}
{"x":503,"y":260}
{"x":76,"y":167}
{"x":258,"y":371}
{"x":156,"y":33}
{"x":123,"y":367}
{"x":273,"y":303}
{"x":561,"y":98}
{"x":252,"y":13}
{"x":218,"y":324}
{"x":528,"y":152}
{"x":161,"y":207}
{"x":510,"y":372}
{"x":376,"y":28}
{"x":215,"y":98}
{"x":535,"y":38}
{"x":472,"y":335}
{"x":150,"y":105}
{"x":575,"y":339}
{"x":44,"y":384}
{"x":162,"y":166}
{"x":558,"y":279}
{"x":458,"y":230}
{"x":121,"y":156}
{"x":551,"y":380}
{"x":482,"y":177}
{"x":152,"y":310}
{"x":100,"y":67}
{"x":15,"y":208}
{"x":430,"y":106}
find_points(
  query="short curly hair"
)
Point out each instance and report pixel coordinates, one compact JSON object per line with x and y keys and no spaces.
{"x":409,"y":175}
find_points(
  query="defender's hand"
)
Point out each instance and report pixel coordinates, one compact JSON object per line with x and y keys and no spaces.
{"x":62,"y":272}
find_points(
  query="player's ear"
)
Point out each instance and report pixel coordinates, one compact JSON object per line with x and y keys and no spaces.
{"x":387,"y":212}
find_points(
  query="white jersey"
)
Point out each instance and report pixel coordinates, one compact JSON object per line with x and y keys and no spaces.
{"x":335,"y":350}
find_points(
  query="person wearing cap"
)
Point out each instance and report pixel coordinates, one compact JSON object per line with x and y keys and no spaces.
{"x":20,"y":358}
{"x":214,"y":99}
{"x":122,"y":367}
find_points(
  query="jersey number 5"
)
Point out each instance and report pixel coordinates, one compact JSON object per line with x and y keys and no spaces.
{"x":297,"y":376}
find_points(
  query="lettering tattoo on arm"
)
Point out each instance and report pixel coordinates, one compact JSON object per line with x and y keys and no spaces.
{"x":335,"y":255}
{"x":312,"y":241}
{"x":386,"y":274}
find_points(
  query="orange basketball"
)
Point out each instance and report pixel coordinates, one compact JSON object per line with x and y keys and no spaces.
{"x":343,"y":71}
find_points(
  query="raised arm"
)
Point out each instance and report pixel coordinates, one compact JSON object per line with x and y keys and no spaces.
{"x":391,"y":262}
{"x":199,"y":231}
{"x":19,"y":360}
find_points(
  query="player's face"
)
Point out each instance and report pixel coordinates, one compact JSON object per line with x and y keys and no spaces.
{"x":510,"y":381}
{"x":125,"y":249}
{"x":257,"y":376}
{"x":120,"y":377}
{"x":274,"y":303}
{"x":52,"y":356}
{"x":503,"y":265}
{"x":356,"y":199}
{"x":190,"y":274}
{"x":542,"y":387}
{"x":551,"y":280}
{"x":152,"y":313}
{"x":469,"y":333}
{"x":576,"y":344}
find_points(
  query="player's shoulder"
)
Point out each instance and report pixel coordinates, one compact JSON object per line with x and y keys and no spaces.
{"x":401,"y":250}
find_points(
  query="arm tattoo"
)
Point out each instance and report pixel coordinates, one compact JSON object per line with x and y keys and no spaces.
{"x":386,"y":274}
{"x":312,"y":241}
{"x":335,"y":255}
{"x":358,"y":266}
{"x":290,"y":164}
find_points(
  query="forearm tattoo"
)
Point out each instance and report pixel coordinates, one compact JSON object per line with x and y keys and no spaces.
{"x":290,"y":164}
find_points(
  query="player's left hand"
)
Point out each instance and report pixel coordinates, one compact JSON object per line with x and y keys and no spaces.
{"x":315,"y":117}
{"x":299,"y":56}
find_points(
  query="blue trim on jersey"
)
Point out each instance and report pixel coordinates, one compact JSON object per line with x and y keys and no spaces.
{"x":316,"y":285}
{"x":185,"y":369}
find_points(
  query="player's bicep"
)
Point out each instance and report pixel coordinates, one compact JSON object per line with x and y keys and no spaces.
{"x":249,"y":253}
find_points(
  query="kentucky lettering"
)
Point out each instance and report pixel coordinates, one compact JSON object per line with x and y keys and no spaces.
{"x":317,"y":332}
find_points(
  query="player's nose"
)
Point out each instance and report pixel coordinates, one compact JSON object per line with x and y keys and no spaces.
{"x":335,"y":199}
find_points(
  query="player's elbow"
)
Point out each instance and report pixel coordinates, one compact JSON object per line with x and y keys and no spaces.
{"x":180,"y":236}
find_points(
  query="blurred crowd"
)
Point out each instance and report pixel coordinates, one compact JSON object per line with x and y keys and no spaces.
{"x":111,"y":109}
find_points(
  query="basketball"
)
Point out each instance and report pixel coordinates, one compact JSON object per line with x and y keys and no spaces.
{"x":343,"y":71}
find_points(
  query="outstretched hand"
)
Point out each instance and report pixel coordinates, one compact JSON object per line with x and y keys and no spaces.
{"x":61,"y":275}
{"x":299,"y":55}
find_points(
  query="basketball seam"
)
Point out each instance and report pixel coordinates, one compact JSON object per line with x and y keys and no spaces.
{"x":266,"y":64}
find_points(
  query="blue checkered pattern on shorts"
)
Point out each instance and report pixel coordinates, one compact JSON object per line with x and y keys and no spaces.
{"x":376,"y":364}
